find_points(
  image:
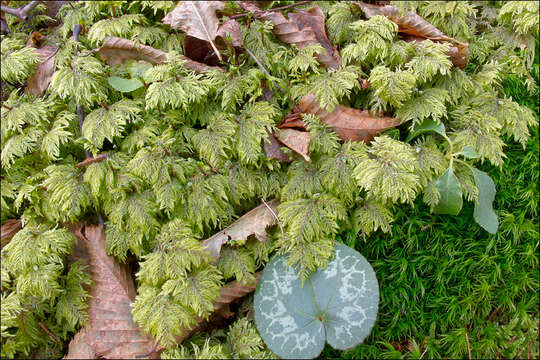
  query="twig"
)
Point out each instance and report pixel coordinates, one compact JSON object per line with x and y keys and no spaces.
{"x":421,"y":356}
{"x":277,"y":219}
{"x":22,"y":12}
{"x":273,"y":9}
{"x":423,"y":228}
{"x":493,"y":313}
{"x":468,"y":344}
{"x":51,"y":335}
{"x":261,"y":66}
{"x":90,"y":160}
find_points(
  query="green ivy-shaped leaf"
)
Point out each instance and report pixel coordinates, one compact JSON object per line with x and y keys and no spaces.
{"x":483,"y":208}
{"x":338,"y":304}
{"x":451,"y":194}
{"x":426,"y":126}
{"x":124,"y":85}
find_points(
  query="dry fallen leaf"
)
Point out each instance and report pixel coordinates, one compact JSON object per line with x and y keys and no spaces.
{"x":40,"y":80}
{"x":197,"y":19}
{"x":231,"y":27}
{"x":302,"y":29}
{"x":8,"y":230}
{"x":415,"y":25}
{"x":116,"y":50}
{"x":272,"y":149}
{"x":297,"y":141}
{"x":199,"y":50}
{"x":253,"y":222}
{"x":111,"y":332}
{"x":350,"y":124}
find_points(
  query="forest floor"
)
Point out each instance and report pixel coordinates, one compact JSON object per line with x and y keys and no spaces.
{"x":450,"y":289}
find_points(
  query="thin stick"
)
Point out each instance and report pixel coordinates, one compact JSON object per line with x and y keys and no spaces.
{"x":273,"y":9}
{"x":206,"y":31}
{"x":22,"y":12}
{"x":51,"y":335}
{"x":493,"y":313}
{"x":261,"y":66}
{"x":90,"y":160}
{"x":421,"y":356}
{"x":468,"y":344}
{"x":277,"y":219}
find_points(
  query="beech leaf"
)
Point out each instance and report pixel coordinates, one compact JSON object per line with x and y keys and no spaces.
{"x":451,"y":194}
{"x":254,"y":222}
{"x":111,"y":332}
{"x":483,"y":208}
{"x":349,"y":124}
{"x":416,"y":26}
{"x":272,"y":149}
{"x":337,"y":304}
{"x":117,"y":50}
{"x":40,"y":80}
{"x":303,"y":28}
{"x":197,"y":19}
{"x":8,"y":230}
{"x":297,"y":141}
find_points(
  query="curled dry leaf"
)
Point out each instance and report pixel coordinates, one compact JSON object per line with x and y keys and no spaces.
{"x":8,"y":230}
{"x":253,"y":222}
{"x":416,"y":26}
{"x":197,"y":19}
{"x":111,"y":332}
{"x":296,"y":140}
{"x":302,"y":29}
{"x":272,"y":149}
{"x":40,"y":80}
{"x":350,"y":124}
{"x":116,"y":50}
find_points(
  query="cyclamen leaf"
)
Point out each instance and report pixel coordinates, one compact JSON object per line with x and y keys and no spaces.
{"x":426,"y":126}
{"x":451,"y":194}
{"x":338,"y":304}
{"x":124,"y":85}
{"x":469,"y":152}
{"x":350,"y":124}
{"x":483,"y":208}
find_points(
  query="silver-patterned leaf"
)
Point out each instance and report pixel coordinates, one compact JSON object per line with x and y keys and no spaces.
{"x":338,"y":304}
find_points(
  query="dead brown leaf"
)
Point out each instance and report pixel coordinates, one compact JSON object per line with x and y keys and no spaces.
{"x":197,"y":19}
{"x":416,"y":26}
{"x":8,"y":230}
{"x":303,"y":28}
{"x":199,"y":50}
{"x":253,"y":222}
{"x":350,"y":124}
{"x":116,"y":50}
{"x":272,"y":149}
{"x":40,"y":80}
{"x":111,"y":332}
{"x":231,"y":27}
{"x":296,"y":140}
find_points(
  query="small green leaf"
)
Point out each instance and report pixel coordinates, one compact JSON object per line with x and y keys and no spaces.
{"x":451,"y":195}
{"x":124,"y":85}
{"x":338,"y":304}
{"x":426,"y":126}
{"x":137,"y":68}
{"x":483,"y":208}
{"x":469,"y":152}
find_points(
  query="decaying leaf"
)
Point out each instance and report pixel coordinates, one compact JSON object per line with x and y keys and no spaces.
{"x":272,"y":149}
{"x":253,"y":222}
{"x":197,"y":19}
{"x":111,"y":332}
{"x":40,"y":80}
{"x":302,"y":29}
{"x":232,"y":28}
{"x":116,"y":50}
{"x":8,"y":230}
{"x":296,"y":140}
{"x":416,"y":26}
{"x":350,"y":124}
{"x":199,"y":50}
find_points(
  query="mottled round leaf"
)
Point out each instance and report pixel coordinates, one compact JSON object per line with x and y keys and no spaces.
{"x":124,"y":85}
{"x":338,"y":304}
